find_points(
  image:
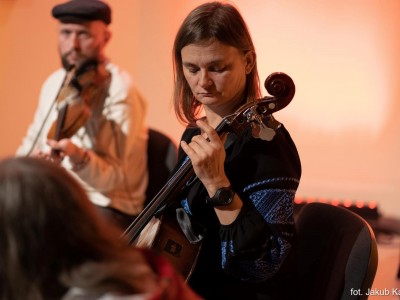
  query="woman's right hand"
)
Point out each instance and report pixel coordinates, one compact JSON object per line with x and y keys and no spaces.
{"x":207,"y":153}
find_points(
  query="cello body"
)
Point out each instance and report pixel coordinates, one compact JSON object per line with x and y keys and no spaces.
{"x":164,"y":235}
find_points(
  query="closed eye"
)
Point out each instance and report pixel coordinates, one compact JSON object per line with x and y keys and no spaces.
{"x":218,"y":69}
{"x":191,"y":68}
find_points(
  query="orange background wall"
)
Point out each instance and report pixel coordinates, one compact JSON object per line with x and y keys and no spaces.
{"x":342,"y":55}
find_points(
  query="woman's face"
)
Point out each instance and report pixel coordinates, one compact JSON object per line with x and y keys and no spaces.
{"x":216,"y":73}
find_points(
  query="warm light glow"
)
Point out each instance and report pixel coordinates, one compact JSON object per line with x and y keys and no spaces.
{"x":323,"y":200}
{"x":298,"y":200}
{"x":347,"y":203}
{"x":342,"y":56}
{"x":372,"y":205}
{"x":332,"y":60}
{"x":310,"y":200}
{"x":335,"y":202}
{"x":359,"y":204}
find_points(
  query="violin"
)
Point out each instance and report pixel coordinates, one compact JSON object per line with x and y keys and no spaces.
{"x":75,"y":100}
{"x":157,"y":226}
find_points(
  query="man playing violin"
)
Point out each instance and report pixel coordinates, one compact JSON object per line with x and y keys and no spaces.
{"x":90,"y":118}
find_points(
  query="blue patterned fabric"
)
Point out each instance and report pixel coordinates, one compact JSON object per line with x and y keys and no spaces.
{"x":251,"y":252}
{"x":186,"y":207}
{"x":275,"y":205}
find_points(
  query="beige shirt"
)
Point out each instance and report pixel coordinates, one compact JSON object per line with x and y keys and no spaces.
{"x":116,"y":137}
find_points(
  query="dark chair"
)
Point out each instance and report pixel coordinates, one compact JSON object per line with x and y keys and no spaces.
{"x":161,"y":158}
{"x":337,"y":253}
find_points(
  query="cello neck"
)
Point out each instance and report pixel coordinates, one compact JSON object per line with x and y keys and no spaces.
{"x":158,"y":203}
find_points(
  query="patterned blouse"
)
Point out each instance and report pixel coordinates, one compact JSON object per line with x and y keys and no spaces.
{"x":253,"y":256}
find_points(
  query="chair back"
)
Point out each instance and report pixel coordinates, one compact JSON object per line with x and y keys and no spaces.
{"x":161,"y":159}
{"x":337,"y":253}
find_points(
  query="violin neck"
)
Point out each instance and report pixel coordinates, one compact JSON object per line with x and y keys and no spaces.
{"x":60,"y":121}
{"x":62,"y":113}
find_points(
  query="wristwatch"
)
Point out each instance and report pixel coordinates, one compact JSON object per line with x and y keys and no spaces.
{"x":222,"y":197}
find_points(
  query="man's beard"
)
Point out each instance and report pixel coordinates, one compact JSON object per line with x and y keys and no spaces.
{"x":68,"y":66}
{"x":65,"y":63}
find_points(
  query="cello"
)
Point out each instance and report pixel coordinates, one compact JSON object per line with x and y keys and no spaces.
{"x":157,"y":226}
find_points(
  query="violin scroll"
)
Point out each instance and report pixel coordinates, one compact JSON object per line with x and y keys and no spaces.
{"x":88,"y":74}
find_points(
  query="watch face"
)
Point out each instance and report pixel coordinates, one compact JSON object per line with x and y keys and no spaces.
{"x":223,"y":196}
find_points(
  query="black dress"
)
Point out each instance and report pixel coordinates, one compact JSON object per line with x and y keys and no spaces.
{"x":252,"y":258}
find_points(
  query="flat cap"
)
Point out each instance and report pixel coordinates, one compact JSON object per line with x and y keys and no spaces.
{"x":82,"y":11}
